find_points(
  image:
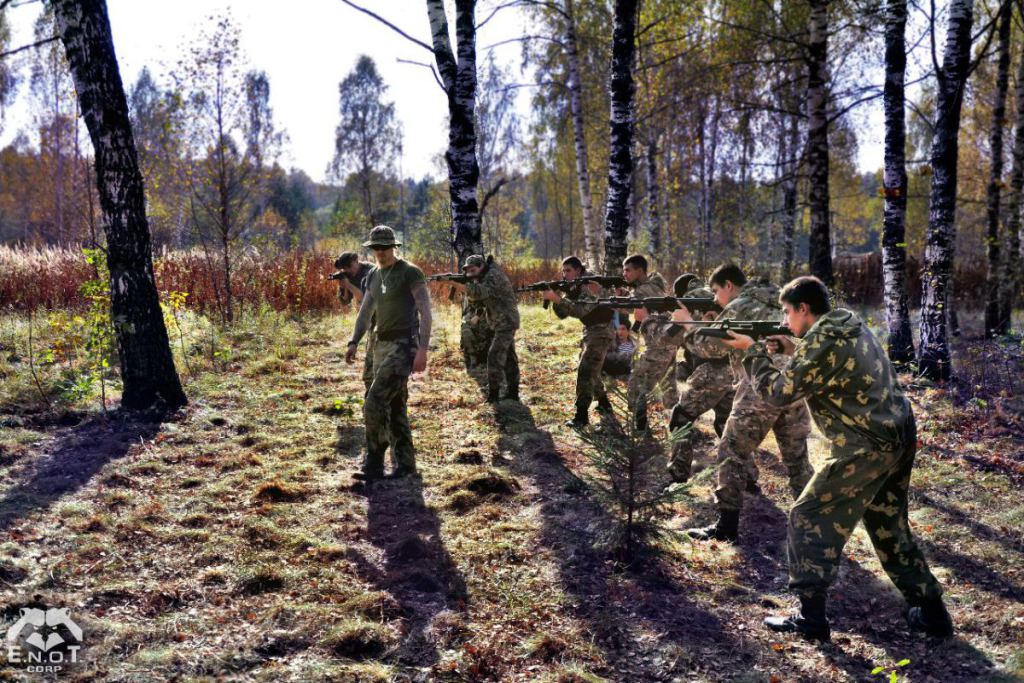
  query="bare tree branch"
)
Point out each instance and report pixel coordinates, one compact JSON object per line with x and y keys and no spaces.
{"x":433,"y":71}
{"x":34,"y":45}
{"x":490,"y":193}
{"x":497,"y":9}
{"x":388,"y":24}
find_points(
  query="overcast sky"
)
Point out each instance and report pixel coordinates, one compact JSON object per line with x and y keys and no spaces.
{"x":307,"y":47}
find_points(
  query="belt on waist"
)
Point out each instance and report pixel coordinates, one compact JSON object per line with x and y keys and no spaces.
{"x":395,"y":335}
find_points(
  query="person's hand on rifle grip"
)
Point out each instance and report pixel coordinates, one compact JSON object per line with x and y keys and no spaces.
{"x":780,"y":344}
{"x":552,"y":295}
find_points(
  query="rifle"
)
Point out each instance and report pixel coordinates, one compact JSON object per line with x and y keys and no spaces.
{"x":722,"y":329}
{"x":568,"y":285}
{"x":664,"y":304}
{"x":455,"y":278}
{"x":338,"y":275}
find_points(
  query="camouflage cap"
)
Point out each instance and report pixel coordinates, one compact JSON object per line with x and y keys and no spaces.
{"x":382,"y":236}
{"x":475,"y":260}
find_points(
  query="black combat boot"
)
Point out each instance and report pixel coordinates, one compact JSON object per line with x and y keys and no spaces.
{"x":582,"y":417}
{"x":402,"y":471}
{"x":727,"y":528}
{"x":809,"y":621}
{"x":367,"y":477}
{"x":640,"y":419}
{"x":930,"y":615}
{"x":604,"y":406}
{"x":493,"y":394}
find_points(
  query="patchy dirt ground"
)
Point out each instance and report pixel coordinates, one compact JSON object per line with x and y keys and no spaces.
{"x":227,"y":542}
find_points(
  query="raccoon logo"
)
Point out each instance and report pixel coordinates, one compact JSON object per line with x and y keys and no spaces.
{"x":52,"y":638}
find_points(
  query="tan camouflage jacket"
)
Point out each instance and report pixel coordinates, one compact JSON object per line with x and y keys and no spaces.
{"x":495,"y":292}
{"x":758,"y":300}
{"x":842,"y":371}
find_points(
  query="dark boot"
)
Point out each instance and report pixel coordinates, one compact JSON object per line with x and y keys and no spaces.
{"x":727,"y":528}
{"x":931,"y":617}
{"x":492,"y":394}
{"x":640,"y":419}
{"x":401,"y":472}
{"x":582,"y":417}
{"x":809,"y":621}
{"x":604,"y":406}
{"x":367,"y":477}
{"x":513,"y":392}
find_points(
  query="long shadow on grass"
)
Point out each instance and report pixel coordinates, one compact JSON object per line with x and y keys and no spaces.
{"x":612,"y":604}
{"x":861,"y":603}
{"x":418,"y":572}
{"x":74,"y":459}
{"x":979,"y":530}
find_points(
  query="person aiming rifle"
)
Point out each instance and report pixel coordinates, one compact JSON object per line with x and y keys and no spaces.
{"x":842,"y":371}
{"x":755,"y":303}
{"x":580,"y":296}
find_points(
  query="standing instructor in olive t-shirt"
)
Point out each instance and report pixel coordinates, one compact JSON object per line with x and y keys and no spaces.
{"x":397,"y":294}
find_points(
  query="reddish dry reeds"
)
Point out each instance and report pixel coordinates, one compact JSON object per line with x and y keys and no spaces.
{"x":51,"y":278}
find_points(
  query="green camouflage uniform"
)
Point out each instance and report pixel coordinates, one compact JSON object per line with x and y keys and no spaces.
{"x":752,"y":418}
{"x":495,"y":292}
{"x":477,"y":333}
{"x":708,"y":386}
{"x":385,"y":411}
{"x":659,"y":353}
{"x":842,"y":371}
{"x":598,"y":338}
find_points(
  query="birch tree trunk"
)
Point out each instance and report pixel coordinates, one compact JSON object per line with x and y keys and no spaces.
{"x":789,"y":208}
{"x":591,"y":234}
{"x":653,"y":197}
{"x":458,"y":74}
{"x":894,"y":248}
{"x":940,"y":241}
{"x":147,"y":366}
{"x":820,"y":242}
{"x":1011,"y":280}
{"x":620,"y":163}
{"x":995,"y":178}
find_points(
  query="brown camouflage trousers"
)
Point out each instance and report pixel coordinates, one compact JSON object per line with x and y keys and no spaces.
{"x":859,"y":484}
{"x":708,"y":387}
{"x":502,"y":361}
{"x":371,"y":338}
{"x":654,"y":368}
{"x":748,"y":425}
{"x":597,"y":340}
{"x":385,"y":411}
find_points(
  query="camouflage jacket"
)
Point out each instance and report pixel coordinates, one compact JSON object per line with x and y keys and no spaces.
{"x":842,"y":371}
{"x":495,"y":292}
{"x":758,"y":300}
{"x":579,"y":303}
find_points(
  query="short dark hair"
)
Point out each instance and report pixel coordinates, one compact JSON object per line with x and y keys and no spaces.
{"x":574,"y":261}
{"x":809,"y":290}
{"x":728,"y":272}
{"x":682,"y":284}
{"x":636,"y":261}
{"x":346,"y":259}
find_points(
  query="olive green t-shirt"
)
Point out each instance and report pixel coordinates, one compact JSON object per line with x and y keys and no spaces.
{"x":392,"y":292}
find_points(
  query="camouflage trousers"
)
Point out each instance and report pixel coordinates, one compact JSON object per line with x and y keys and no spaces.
{"x":385,"y":411}
{"x":859,"y":484}
{"x":655,"y":367}
{"x":597,"y":340}
{"x":708,"y":387}
{"x":371,"y":338}
{"x":503,"y":362}
{"x":749,"y":423}
{"x":475,"y":340}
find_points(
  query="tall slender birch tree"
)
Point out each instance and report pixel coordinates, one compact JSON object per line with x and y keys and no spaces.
{"x":894,"y":248}
{"x":1011,"y":280}
{"x":147,"y":366}
{"x":934,"y":361}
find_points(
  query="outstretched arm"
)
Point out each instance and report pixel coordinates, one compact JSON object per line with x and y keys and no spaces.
{"x":421,"y":295}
